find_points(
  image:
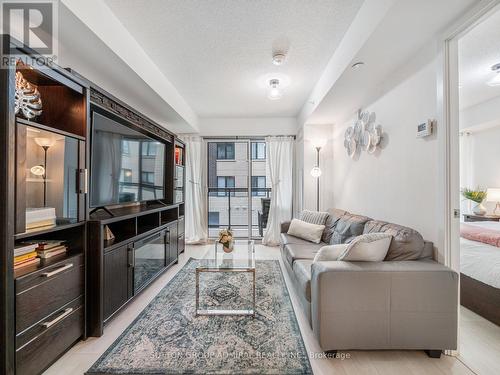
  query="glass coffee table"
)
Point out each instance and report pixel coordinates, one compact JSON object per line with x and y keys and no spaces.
{"x":241,"y":259}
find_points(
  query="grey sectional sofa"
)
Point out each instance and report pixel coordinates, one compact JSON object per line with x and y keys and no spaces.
{"x":409,"y":301}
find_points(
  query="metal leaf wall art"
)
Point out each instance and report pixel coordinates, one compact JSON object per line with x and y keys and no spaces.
{"x":27,"y":99}
{"x":363,"y":135}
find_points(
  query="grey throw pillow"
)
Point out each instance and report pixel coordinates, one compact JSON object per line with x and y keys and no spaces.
{"x":314,"y":217}
{"x":347,"y":228}
{"x":406,"y":244}
{"x":334,"y":215}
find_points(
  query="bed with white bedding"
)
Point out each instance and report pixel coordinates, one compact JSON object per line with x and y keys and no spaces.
{"x":480,"y":269}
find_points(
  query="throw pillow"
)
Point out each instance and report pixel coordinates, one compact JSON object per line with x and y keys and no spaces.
{"x":314,"y":217}
{"x":334,"y":215}
{"x":348,"y":227}
{"x":330,"y":252}
{"x":371,"y":247}
{"x":306,"y":231}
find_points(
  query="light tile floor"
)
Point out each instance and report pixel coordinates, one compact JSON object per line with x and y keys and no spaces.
{"x":84,"y":354}
{"x":479,"y":343}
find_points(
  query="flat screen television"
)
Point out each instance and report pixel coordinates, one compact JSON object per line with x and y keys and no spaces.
{"x":126,"y":165}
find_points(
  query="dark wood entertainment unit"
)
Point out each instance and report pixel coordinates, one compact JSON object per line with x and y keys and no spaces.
{"x":48,"y":306}
{"x":120,"y":269}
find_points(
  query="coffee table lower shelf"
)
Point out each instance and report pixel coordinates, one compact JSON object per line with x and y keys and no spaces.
{"x":226,"y":312}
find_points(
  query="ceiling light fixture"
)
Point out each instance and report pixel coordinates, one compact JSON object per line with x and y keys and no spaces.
{"x":495,"y":81}
{"x":274,"y":91}
{"x":357,"y":65}
{"x":279,"y":58}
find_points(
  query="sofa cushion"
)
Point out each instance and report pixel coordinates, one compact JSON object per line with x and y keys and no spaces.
{"x":369,"y":247}
{"x":334,"y":215}
{"x":306,"y":231}
{"x":293,"y":252}
{"x":406,"y":244}
{"x":347,"y":228}
{"x":302,"y":271}
{"x":314,"y":217}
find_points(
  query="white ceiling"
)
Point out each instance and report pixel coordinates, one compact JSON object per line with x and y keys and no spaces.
{"x":217,"y":53}
{"x":391,"y":53}
{"x":479,"y":49}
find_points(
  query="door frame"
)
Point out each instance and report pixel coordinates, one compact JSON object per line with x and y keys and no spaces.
{"x":448,"y":136}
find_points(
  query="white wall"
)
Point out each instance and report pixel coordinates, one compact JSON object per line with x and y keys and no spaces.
{"x":482,"y":115}
{"x":398,"y":183}
{"x":258,"y":126}
{"x":483,"y":157}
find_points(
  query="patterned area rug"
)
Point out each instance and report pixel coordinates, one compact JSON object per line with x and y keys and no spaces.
{"x":167,"y":337}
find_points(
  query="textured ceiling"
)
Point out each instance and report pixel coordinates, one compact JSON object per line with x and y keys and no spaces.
{"x":217,"y":53}
{"x":479,"y":49}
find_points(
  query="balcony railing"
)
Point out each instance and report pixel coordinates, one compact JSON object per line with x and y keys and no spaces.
{"x":232,"y":205}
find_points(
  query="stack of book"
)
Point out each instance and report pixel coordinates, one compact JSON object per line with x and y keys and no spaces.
{"x":25,"y":255}
{"x":48,"y":249}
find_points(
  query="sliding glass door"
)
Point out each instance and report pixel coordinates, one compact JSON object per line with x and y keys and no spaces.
{"x":238,"y":186}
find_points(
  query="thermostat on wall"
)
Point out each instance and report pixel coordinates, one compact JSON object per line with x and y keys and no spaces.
{"x":425,"y":129}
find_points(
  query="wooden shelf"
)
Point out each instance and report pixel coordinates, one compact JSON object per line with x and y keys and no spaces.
{"x":57,"y":227}
{"x":128,"y":212}
{"x":48,"y":128}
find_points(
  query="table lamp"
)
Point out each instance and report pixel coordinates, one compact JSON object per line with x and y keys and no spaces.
{"x":493,"y":195}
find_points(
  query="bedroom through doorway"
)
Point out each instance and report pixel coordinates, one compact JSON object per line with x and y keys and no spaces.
{"x":479,"y":137}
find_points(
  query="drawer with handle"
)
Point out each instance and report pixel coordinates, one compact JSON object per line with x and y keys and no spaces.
{"x":43,"y":343}
{"x":41,"y":293}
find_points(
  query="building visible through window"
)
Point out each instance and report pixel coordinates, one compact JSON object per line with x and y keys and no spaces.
{"x":258,"y":186}
{"x":225,"y":151}
{"x":149,"y":148}
{"x":258,"y":150}
{"x":125,"y":147}
{"x":148,"y":177}
{"x":213,"y":219}
{"x":225,"y":182}
{"x":126,"y":175}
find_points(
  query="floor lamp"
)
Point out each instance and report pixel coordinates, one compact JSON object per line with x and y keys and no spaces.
{"x":44,"y":143}
{"x":316,"y":173}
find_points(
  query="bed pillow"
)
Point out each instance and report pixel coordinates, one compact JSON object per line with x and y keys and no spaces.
{"x":314,"y":217}
{"x":330,"y":252}
{"x":370,"y":247}
{"x":306,"y":231}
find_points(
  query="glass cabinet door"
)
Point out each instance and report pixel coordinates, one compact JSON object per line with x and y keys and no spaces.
{"x":49,"y":165}
{"x":149,"y":259}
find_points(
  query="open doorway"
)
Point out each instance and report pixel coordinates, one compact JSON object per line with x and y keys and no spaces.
{"x":479,"y":150}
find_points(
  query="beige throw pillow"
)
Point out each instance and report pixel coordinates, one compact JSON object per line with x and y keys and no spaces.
{"x":306,"y":231}
{"x":330,"y":252}
{"x":370,"y":247}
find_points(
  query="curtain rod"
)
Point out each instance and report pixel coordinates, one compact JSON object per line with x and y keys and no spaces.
{"x":249,"y":137}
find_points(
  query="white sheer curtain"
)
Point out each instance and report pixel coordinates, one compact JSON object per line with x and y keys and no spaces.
{"x":279,"y":164}
{"x":196,"y":231}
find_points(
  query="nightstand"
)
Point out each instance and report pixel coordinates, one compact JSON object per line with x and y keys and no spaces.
{"x":472,"y":217}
